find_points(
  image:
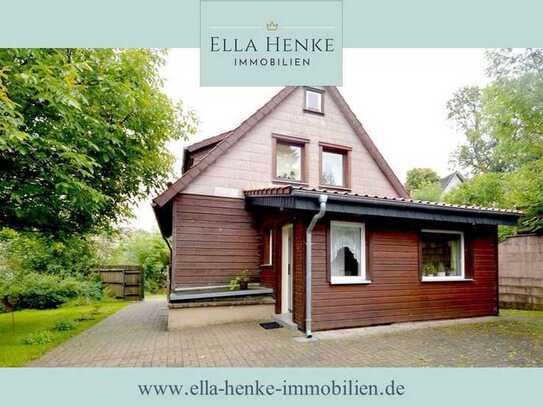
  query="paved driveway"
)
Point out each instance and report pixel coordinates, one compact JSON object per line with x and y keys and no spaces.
{"x":137,"y":336}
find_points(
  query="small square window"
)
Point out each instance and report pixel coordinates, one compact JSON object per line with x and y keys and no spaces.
{"x":314,"y":101}
{"x":442,"y":255}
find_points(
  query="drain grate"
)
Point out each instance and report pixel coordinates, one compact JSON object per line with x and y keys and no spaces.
{"x":270,"y":325}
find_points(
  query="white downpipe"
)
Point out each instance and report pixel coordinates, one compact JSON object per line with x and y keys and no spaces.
{"x":308,"y":265}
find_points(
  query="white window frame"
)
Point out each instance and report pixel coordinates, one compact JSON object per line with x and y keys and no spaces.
{"x":362,"y":278}
{"x":462,"y":276}
{"x":306,"y":102}
{"x":270,"y":262}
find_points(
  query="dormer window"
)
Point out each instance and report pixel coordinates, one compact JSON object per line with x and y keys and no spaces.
{"x":314,"y":100}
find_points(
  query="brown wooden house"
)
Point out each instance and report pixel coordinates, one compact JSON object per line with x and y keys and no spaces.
{"x":300,"y":196}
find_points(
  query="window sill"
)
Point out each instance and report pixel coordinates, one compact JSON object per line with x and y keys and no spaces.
{"x":285,"y":181}
{"x":314,"y":112}
{"x":445,"y":279}
{"x":349,"y":280}
{"x":336,"y":187}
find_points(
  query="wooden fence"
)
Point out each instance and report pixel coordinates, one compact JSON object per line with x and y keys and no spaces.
{"x":124,"y":282}
{"x":521,"y":272}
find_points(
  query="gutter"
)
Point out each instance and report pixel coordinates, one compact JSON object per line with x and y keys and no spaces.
{"x":308,"y":262}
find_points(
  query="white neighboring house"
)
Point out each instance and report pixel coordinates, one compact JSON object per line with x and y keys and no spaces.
{"x":450,"y":182}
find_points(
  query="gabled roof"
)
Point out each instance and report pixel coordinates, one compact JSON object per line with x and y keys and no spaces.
{"x":445,"y":180}
{"x":232,"y":137}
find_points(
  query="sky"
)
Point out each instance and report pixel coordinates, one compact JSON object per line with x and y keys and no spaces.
{"x":399,"y":95}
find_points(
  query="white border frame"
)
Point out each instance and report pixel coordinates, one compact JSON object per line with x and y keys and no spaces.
{"x":462,"y":276}
{"x":361,"y":279}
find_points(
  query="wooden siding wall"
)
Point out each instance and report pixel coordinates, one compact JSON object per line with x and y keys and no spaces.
{"x":396,"y":293}
{"x":215,"y":238}
{"x":267,"y":276}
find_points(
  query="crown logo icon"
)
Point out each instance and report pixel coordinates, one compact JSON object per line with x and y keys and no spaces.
{"x":271,"y":26}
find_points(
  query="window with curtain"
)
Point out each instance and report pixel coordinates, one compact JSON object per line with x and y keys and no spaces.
{"x":442,"y":255}
{"x":347,"y":253}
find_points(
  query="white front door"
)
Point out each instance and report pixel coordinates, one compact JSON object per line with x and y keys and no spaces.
{"x":286,"y":269}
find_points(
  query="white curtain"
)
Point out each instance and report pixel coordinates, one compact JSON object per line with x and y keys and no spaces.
{"x":455,"y":254}
{"x":345,"y":236}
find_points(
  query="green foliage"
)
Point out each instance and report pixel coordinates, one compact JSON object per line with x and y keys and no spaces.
{"x":417,"y":178}
{"x":38,"y":338}
{"x":41,"y":291}
{"x":146,"y":249}
{"x":241,"y":277}
{"x":60,"y":255}
{"x":64,"y":325}
{"x":83,"y":136}
{"x":482,"y":190}
{"x":428,"y":192}
{"x":503,"y":125}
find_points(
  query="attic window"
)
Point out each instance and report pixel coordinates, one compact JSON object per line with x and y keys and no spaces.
{"x":314,"y":100}
{"x":335,"y":166}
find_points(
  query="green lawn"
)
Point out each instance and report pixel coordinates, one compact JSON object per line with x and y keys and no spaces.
{"x":51,"y":326}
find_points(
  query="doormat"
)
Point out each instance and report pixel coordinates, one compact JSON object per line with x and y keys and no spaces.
{"x":270,"y":325}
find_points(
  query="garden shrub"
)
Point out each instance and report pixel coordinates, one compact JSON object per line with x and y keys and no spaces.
{"x":38,"y":338}
{"x":42,"y":291}
{"x":64,"y":325}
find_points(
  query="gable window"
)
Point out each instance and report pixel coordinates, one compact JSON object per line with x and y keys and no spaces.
{"x":347,"y":253}
{"x":335,"y":166}
{"x":289,"y":159}
{"x":442,"y":254}
{"x":314,"y":100}
{"x":267,"y":247}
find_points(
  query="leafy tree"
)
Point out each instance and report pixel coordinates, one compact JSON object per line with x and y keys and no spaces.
{"x":66,"y":256}
{"x":83,"y":136}
{"x":428,"y":192}
{"x":483,"y":190}
{"x":503,"y":125}
{"x":417,"y":178}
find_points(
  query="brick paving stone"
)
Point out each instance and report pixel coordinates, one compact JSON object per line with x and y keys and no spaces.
{"x":137,"y":336}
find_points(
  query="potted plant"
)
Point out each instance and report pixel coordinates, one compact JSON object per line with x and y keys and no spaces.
{"x":429,"y":270}
{"x":241,"y":281}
